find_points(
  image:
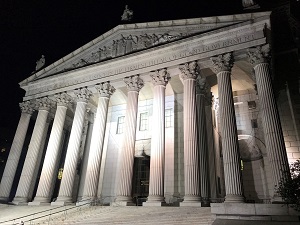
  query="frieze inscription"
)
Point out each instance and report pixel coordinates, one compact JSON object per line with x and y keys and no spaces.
{"x":157,"y":61}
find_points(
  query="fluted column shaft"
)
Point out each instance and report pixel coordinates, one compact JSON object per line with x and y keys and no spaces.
{"x":271,"y":123}
{"x":93,"y":168}
{"x":48,"y":173}
{"x":31,"y":161}
{"x":191,"y":156}
{"x":203,"y":148}
{"x":231,"y":159}
{"x":259,"y":57}
{"x":156,"y":181}
{"x":14,"y":154}
{"x":126,"y":169}
{"x":69,"y":172}
{"x":128,"y":144}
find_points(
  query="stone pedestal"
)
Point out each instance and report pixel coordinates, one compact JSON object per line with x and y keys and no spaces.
{"x":231,"y":158}
{"x":35,"y":148}
{"x":66,"y":186}
{"x":189,"y":73}
{"x":134,"y":84}
{"x":48,"y":174}
{"x":105,"y":90}
{"x":15,"y":151}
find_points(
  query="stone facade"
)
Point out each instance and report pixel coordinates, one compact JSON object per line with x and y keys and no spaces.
{"x":185,"y":113}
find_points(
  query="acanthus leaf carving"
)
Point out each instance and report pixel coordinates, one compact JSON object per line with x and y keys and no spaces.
{"x":160,"y":77}
{"x":189,"y":70}
{"x":223,"y":62}
{"x":44,"y":103}
{"x":259,"y":54}
{"x":134,"y":83}
{"x":82,"y":94}
{"x":105,"y":89}
{"x":63,"y":99}
{"x":26,"y":107}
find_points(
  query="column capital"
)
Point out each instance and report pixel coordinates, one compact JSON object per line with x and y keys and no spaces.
{"x":26,"y":107}
{"x":223,"y":62}
{"x":189,"y":70}
{"x":63,"y":99}
{"x":105,"y":89}
{"x":82,"y":95}
{"x":259,"y":54}
{"x":44,"y":103}
{"x":160,"y":77}
{"x":134,"y":83}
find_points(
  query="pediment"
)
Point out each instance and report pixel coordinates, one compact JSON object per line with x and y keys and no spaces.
{"x":130,"y":38}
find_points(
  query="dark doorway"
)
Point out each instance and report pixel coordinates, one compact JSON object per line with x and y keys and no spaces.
{"x":140,"y":190}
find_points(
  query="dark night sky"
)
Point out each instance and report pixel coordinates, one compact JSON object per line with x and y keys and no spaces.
{"x":55,"y":28}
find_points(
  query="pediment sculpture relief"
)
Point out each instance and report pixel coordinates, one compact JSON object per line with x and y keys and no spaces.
{"x":126,"y":44}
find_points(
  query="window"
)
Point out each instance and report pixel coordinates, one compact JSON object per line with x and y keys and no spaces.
{"x":120,"y":126}
{"x":143,"y":121}
{"x":168,"y":118}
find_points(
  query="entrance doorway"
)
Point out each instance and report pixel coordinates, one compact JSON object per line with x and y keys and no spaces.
{"x":140,"y":190}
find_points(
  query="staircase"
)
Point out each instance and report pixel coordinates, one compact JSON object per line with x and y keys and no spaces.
{"x":139,"y":215}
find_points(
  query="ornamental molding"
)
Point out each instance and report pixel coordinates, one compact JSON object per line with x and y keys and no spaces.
{"x":63,"y":99}
{"x":134,"y":83}
{"x":222,"y":63}
{"x":141,"y":63}
{"x":105,"y":89}
{"x":259,"y":54}
{"x":26,"y":107}
{"x":160,"y":77}
{"x":189,"y":70}
{"x":82,"y":95}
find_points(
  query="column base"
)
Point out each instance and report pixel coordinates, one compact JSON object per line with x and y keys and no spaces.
{"x":62,"y":201}
{"x":39,"y":200}
{"x":191,"y":200}
{"x":234,"y":199}
{"x":155,"y":198}
{"x":20,"y":201}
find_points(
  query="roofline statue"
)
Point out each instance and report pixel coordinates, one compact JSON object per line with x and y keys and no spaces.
{"x":40,"y":63}
{"x":127,"y":14}
{"x":250,"y":4}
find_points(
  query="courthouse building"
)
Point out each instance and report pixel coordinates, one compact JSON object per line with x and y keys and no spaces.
{"x":186,"y":112}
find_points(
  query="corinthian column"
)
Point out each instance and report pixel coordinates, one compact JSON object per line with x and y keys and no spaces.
{"x":65,"y":191}
{"x":15,"y":151}
{"x":35,"y":148}
{"x":134,"y":85}
{"x":160,"y":79}
{"x":202,"y":89}
{"x":189,"y":74}
{"x":47,"y":178}
{"x":105,"y":90}
{"x":271,"y":123}
{"x":232,"y":164}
